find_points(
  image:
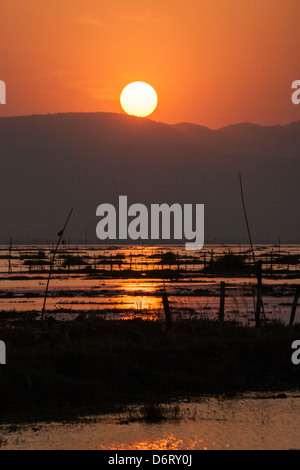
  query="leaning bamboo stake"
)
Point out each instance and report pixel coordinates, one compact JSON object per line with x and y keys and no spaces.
{"x":259,"y":303}
{"x":246,"y":219}
{"x":60,"y":234}
{"x":294,"y":306}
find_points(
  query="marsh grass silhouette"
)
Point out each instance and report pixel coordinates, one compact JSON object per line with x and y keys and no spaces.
{"x":151,"y":413}
{"x":87,"y":367}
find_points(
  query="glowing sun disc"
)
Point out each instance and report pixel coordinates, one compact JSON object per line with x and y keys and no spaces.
{"x":138,"y":99}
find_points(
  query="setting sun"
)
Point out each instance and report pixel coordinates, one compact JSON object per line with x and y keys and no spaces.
{"x":138,"y":99}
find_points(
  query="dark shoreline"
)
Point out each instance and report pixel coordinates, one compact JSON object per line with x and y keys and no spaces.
{"x":66,"y":370}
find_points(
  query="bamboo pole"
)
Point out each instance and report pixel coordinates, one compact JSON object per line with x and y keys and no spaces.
{"x":259,"y":298}
{"x":222,"y":302}
{"x":294,"y":306}
{"x":259,"y":303}
{"x":9,"y":257}
{"x":60,"y":235}
{"x":167,"y":310}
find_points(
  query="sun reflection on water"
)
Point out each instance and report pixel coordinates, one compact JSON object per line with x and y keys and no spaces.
{"x":166,"y":442}
{"x":250,"y":422}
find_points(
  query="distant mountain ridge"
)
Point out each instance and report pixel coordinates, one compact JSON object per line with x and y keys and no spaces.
{"x":50,"y":163}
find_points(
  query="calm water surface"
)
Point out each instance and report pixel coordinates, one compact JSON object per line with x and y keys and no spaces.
{"x":250,"y":422}
{"x":120,"y":283}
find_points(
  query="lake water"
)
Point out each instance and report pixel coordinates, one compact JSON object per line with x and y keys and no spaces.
{"x":249,"y":422}
{"x":126,"y":282}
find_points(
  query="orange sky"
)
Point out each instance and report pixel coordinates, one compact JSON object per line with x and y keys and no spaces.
{"x":212,"y":62}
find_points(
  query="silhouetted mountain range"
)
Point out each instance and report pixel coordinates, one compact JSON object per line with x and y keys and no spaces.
{"x":51,"y":163}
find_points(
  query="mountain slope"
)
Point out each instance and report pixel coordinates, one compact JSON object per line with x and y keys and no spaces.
{"x":50,"y":163}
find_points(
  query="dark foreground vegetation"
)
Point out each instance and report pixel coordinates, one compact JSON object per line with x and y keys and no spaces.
{"x":65,"y":370}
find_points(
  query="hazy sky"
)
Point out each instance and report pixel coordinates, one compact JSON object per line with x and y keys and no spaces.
{"x":212,"y":62}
